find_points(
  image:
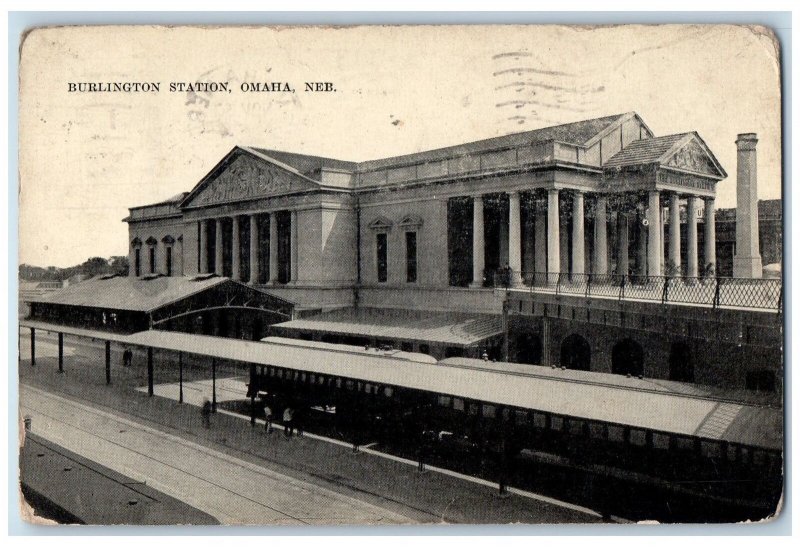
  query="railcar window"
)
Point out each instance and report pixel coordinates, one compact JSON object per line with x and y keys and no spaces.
{"x":576,"y":427}
{"x":271,"y":371}
{"x":616,"y":433}
{"x":660,"y":441}
{"x":303,"y":377}
{"x":557,"y":423}
{"x":312,"y":379}
{"x":684,"y":443}
{"x":458,"y":404}
{"x":506,"y":414}
{"x":321,"y":380}
{"x":539,"y":420}
{"x":597,"y":431}
{"x":731,"y":453}
{"x":473,"y":409}
{"x":388,"y":391}
{"x":350,"y":384}
{"x":280,"y":373}
{"x":489,"y":411}
{"x":710,"y":450}
{"x":368,"y":388}
{"x":521,"y":417}
{"x":759,"y":457}
{"x":444,"y":400}
{"x":638,"y":437}
{"x":745,"y":455}
{"x":338,"y":382}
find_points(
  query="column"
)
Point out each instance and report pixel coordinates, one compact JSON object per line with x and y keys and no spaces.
{"x":563,"y":244}
{"x":514,"y":242}
{"x":675,"y":232}
{"x":236,"y":251}
{"x":641,"y":258}
{"x":254,"y":250}
{"x":204,"y":246}
{"x":710,"y":239}
{"x":478,"y":250}
{"x":273,"y":248}
{"x":578,"y":237}
{"x":553,"y":236}
{"x":293,"y":247}
{"x":623,"y":243}
{"x":691,"y":237}
{"x":527,"y":245}
{"x":150,"y":371}
{"x":653,"y":233}
{"x":108,"y":361}
{"x":218,"y":249}
{"x":33,"y":347}
{"x":601,"y":236}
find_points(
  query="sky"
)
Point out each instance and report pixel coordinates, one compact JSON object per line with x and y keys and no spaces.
{"x":85,"y":158}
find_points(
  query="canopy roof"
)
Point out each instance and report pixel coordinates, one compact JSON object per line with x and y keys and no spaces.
{"x":576,"y":395}
{"x":453,"y":329}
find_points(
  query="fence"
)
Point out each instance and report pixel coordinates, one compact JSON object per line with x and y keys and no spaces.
{"x":716,"y":292}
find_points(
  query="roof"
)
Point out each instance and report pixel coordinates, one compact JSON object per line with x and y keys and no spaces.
{"x":305,"y":163}
{"x":661,"y":149}
{"x":578,"y":396}
{"x":645,"y":150}
{"x":177,"y":198}
{"x":129,"y":293}
{"x":454,"y":329}
{"x":572,"y":133}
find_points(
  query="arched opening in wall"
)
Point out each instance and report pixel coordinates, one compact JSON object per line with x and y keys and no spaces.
{"x":681,"y":364}
{"x":576,"y":353}
{"x":627,"y":357}
{"x":527,"y":349}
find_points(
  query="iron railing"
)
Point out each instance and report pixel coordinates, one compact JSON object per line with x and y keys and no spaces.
{"x":715,"y":292}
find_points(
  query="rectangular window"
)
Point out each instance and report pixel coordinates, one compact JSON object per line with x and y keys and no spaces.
{"x":137,"y":261}
{"x":638,"y":437}
{"x":616,"y":433}
{"x":411,"y":257}
{"x":660,"y":441}
{"x":444,"y":400}
{"x":557,"y":423}
{"x":458,"y":404}
{"x":382,"y":250}
{"x":169,"y":261}
{"x":152,"y":259}
{"x":539,"y":420}
{"x":489,"y":411}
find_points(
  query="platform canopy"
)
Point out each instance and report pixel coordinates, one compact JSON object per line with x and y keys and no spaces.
{"x":577,"y":394}
{"x":446,"y":328}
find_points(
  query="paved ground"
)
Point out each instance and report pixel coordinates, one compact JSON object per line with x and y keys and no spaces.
{"x":361,"y":487}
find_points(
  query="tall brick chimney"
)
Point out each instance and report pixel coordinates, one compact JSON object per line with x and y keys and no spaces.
{"x":746,"y":260}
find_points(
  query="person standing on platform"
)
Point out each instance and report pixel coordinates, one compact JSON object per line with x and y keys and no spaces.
{"x":205,"y":411}
{"x":268,"y":417}
{"x":288,"y":426}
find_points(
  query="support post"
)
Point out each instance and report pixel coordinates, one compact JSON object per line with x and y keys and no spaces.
{"x":710,"y":239}
{"x":273,"y":248}
{"x":691,"y":238}
{"x":204,"y":246}
{"x":294,"y":248}
{"x":213,"y":384}
{"x":180,"y":377}
{"x":252,"y":390}
{"x":108,"y":362}
{"x":150,"y":372}
{"x":33,"y":347}
{"x":61,"y":352}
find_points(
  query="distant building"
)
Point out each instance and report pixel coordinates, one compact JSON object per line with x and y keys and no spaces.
{"x":770,"y":234}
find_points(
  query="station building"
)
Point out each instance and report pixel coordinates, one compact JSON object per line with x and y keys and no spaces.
{"x":429,"y":232}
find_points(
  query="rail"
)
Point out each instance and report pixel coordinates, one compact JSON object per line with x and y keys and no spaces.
{"x":714,"y":292}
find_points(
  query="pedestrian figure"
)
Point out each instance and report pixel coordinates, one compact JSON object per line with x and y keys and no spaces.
{"x":288,"y":426}
{"x":205,"y":410}
{"x":268,"y":417}
{"x":127,"y":356}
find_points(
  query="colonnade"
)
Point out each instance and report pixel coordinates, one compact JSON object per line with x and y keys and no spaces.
{"x":253,"y":245}
{"x":549,"y":242}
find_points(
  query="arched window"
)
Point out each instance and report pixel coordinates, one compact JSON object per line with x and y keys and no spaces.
{"x":576,"y":353}
{"x":627,"y":357}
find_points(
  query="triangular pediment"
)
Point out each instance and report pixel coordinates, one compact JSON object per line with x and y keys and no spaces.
{"x":693,"y":156}
{"x":244,"y":175}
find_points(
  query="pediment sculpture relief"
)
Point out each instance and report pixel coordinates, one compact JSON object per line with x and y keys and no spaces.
{"x":244,"y":178}
{"x":693,"y":157}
